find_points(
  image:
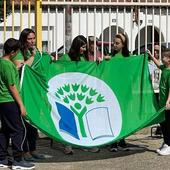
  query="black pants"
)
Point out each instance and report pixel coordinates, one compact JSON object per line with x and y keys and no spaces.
{"x":11,"y":127}
{"x":166,"y":128}
{"x":31,"y":138}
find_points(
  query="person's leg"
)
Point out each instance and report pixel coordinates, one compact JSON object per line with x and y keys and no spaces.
{"x":16,"y":129}
{"x":28,"y":143}
{"x":165,"y":149}
{"x":166,"y":128}
{"x":3,"y":135}
{"x":12,"y":118}
{"x":31,"y":137}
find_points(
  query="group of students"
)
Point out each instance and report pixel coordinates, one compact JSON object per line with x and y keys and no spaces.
{"x":83,"y":49}
{"x":23,"y":51}
{"x":23,"y":135}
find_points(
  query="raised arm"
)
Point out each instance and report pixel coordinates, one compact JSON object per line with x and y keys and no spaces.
{"x":156,"y":61}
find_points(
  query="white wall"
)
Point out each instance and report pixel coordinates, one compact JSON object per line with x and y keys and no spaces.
{"x":56,"y":33}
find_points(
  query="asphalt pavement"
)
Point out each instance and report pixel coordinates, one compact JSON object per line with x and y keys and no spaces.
{"x":140,"y":156}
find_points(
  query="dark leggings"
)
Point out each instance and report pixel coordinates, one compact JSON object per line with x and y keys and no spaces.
{"x":31,"y":138}
{"x":166,"y":128}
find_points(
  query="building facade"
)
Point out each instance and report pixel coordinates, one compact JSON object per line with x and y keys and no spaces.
{"x":143,"y":22}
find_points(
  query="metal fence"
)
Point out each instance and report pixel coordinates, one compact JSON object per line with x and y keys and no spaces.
{"x":144,"y":22}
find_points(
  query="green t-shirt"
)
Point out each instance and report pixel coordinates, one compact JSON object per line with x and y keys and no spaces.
{"x":40,"y":62}
{"x":8,"y":76}
{"x":117,"y":55}
{"x":164,"y":86}
{"x":20,"y":56}
{"x":65,"y":57}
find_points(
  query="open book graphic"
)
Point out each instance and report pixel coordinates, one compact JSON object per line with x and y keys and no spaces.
{"x":98,"y":123}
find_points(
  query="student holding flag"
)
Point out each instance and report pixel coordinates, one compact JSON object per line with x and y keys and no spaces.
{"x":11,"y":109}
{"x":164,"y":99}
{"x":120,"y":51}
{"x":30,"y":55}
{"x":77,"y":52}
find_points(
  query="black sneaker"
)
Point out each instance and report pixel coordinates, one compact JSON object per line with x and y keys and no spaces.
{"x":37,"y":156}
{"x":22,"y":165}
{"x":158,"y":131}
{"x":113,"y":147}
{"x":122,"y":145}
{"x":4,"y":163}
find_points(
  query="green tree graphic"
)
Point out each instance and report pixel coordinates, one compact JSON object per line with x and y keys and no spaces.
{"x":79,"y":97}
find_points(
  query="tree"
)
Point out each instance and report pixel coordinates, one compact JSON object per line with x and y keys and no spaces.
{"x":8,"y":9}
{"x":78,"y":98}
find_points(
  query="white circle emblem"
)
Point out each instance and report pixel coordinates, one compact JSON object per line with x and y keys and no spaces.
{"x":85,"y":111}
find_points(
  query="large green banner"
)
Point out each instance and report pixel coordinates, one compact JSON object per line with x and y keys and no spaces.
{"x":88,"y":104}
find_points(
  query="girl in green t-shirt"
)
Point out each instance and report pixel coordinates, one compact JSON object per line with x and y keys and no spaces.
{"x":27,"y":52}
{"x":78,"y":50}
{"x":30,"y":55}
{"x":120,"y":51}
{"x":120,"y":47}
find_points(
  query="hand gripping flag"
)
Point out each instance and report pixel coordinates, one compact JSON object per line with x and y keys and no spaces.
{"x":86,"y":104}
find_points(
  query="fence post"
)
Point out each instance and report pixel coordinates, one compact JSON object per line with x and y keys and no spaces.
{"x":4,"y":20}
{"x":38,"y":23}
{"x":68,"y":27}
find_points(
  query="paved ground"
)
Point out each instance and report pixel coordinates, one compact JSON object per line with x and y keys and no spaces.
{"x":142,"y":156}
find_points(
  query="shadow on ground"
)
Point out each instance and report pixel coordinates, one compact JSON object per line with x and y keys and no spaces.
{"x":56,"y":154}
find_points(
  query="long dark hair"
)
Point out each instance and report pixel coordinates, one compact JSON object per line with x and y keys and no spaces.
{"x":77,"y":43}
{"x":125,"y":51}
{"x":23,"y":40}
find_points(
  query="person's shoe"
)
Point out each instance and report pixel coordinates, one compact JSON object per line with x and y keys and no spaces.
{"x":28,"y":157}
{"x":162,"y":146}
{"x":68,"y":150}
{"x":165,"y":150}
{"x":158,"y":131}
{"x":4,"y":163}
{"x":22,"y":165}
{"x":93,"y":150}
{"x":122,"y":145}
{"x":37,"y":156}
{"x":113,"y":147}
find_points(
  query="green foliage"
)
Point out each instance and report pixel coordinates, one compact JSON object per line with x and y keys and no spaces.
{"x":79,"y":97}
{"x":66,"y":88}
{"x":75,"y":87}
{"x":8,"y":9}
{"x":73,"y":93}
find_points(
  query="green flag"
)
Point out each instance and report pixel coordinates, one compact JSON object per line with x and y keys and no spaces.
{"x":86,"y":104}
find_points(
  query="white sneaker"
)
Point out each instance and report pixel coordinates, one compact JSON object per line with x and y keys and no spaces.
{"x":165,"y":150}
{"x":162,"y":146}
